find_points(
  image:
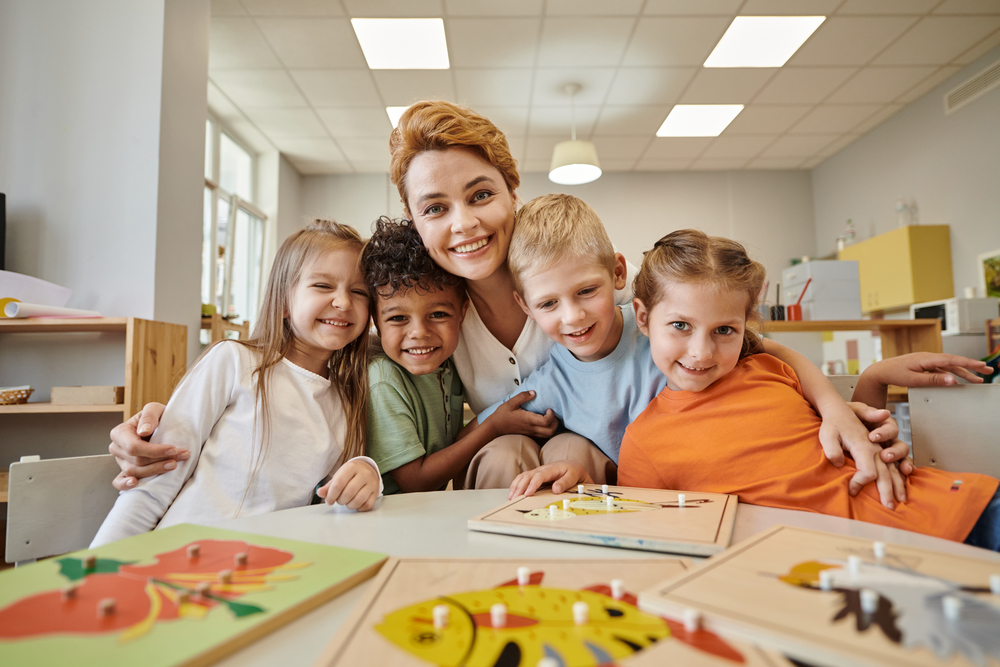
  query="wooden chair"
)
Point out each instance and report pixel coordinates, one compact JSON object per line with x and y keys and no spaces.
{"x":844,"y":384}
{"x":957,"y":428}
{"x":57,"y":505}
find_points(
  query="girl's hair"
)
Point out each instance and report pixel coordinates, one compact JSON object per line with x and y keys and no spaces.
{"x":436,"y":126}
{"x":691,"y":256}
{"x":272,"y":336}
{"x":395,"y":260}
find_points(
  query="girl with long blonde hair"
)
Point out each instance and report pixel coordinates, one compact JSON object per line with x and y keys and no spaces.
{"x":267,"y":419}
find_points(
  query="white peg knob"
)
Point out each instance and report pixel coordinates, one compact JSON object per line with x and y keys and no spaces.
{"x":869,"y":601}
{"x":681,"y":499}
{"x":995,"y":584}
{"x":617,"y":589}
{"x":825,"y":580}
{"x":565,"y":503}
{"x":498,"y":615}
{"x":879,"y":549}
{"x":580,"y":489}
{"x":581,"y":612}
{"x":440,"y":616}
{"x":523,"y":576}
{"x":952,"y":607}
{"x":604,"y":488}
{"x":692,"y":620}
{"x":854,"y":564}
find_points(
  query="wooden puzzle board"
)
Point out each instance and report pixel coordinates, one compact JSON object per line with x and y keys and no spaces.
{"x":393,"y":623}
{"x":647,"y":519}
{"x":768,"y":588}
{"x":152,"y":624}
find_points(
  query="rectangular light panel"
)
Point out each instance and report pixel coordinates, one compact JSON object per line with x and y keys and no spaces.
{"x":394,"y":113}
{"x":402,"y":43}
{"x":762,"y":41}
{"x":698,"y":120}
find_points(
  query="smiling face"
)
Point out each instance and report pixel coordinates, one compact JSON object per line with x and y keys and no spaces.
{"x":462,"y":209}
{"x":695,"y":333}
{"x":420,"y":327}
{"x":573,"y":302}
{"x":327,"y":308}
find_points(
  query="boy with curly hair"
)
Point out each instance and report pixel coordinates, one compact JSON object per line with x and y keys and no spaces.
{"x":416,"y":398}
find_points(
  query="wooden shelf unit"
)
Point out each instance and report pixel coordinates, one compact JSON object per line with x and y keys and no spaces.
{"x":219,"y":326}
{"x":155,"y":360}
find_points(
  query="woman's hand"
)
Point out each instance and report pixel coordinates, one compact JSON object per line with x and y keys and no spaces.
{"x":563,"y":475}
{"x":354,"y":486}
{"x":136,"y":456}
{"x":511,"y":419}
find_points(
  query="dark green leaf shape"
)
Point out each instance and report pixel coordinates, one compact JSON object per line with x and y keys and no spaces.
{"x":73,"y":569}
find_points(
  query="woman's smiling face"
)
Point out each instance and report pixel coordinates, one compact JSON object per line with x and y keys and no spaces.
{"x":462,"y":209}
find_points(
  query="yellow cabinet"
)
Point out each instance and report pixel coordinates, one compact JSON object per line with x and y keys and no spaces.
{"x":905,"y":266}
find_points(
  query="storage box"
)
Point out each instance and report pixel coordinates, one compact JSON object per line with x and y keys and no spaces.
{"x":88,"y":395}
{"x":833,"y":294}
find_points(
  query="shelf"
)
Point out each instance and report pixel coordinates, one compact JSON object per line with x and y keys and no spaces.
{"x":49,"y":408}
{"x":771,"y":326}
{"x":3,"y":485}
{"x":52,"y":324}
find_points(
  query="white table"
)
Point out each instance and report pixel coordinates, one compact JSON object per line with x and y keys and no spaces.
{"x":435,"y":525}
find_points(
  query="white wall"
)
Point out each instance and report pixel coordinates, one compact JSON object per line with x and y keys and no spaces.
{"x":356,"y":200}
{"x":949,"y":164}
{"x":279,"y":196}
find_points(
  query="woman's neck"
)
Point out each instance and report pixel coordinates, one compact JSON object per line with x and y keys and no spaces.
{"x":493,"y":298}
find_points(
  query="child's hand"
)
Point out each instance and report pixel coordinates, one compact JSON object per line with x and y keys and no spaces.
{"x":563,"y":475}
{"x":842,"y":431}
{"x":509,"y":419}
{"x":354,"y":486}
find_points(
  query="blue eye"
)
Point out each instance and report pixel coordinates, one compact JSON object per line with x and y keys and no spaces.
{"x":482,"y":195}
{"x":726,"y":330}
{"x":680,"y":326}
{"x":433,"y":210}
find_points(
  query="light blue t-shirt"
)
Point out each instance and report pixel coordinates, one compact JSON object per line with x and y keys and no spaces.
{"x":596,"y":399}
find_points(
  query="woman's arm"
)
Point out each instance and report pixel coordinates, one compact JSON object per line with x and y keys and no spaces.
{"x":136,"y":456}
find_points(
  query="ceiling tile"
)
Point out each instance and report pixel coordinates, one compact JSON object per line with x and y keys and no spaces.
{"x":789,"y":7}
{"x":677,"y":147}
{"x":550,"y":84}
{"x":583,"y":42}
{"x":492,"y":42}
{"x":313,"y":43}
{"x":220,"y":105}
{"x":876,"y":119}
{"x":369,"y":149}
{"x":737,"y":147}
{"x":237,"y":44}
{"x":766,"y":119}
{"x":534,"y":166}
{"x":484,"y":87}
{"x":674,"y":41}
{"x":258,"y":88}
{"x":803,"y":85}
{"x":726,"y":85}
{"x":227,"y":8}
{"x":653,"y":164}
{"x":593,"y":7}
{"x":371,"y":166}
{"x":630,"y":120}
{"x":649,"y":85}
{"x":828,"y":119}
{"x":620,"y":148}
{"x":811,"y":163}
{"x":913,"y":7}
{"x":979,"y":49}
{"x":287,"y":123}
{"x":310,"y":149}
{"x":689,"y":7}
{"x":800,"y":145}
{"x":874,"y":85}
{"x":718,"y":164}
{"x":539,"y":148}
{"x":338,"y":87}
{"x":775,"y":163}
{"x":249,"y":135}
{"x":510,"y":120}
{"x":410,"y":9}
{"x":493,"y":8}
{"x":616,"y":165}
{"x":838,"y":145}
{"x":516,"y":144}
{"x":294,"y":7}
{"x":342,"y":123}
{"x":403,"y":87}
{"x":850,"y":40}
{"x":928,"y":84}
{"x":557,"y":121}
{"x":968,"y":7}
{"x":937,"y":40}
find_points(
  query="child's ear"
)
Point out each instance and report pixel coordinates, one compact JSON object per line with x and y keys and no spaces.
{"x":465,"y":309}
{"x":621,"y":271}
{"x":641,"y":316}
{"x":524,"y":306}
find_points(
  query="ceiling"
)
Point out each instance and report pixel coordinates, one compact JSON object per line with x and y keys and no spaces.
{"x":290,"y":74}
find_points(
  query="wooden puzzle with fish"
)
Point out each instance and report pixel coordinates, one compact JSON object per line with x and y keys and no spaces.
{"x":185,"y":595}
{"x":699,"y":524}
{"x":531,"y":612}
{"x":835,"y":600}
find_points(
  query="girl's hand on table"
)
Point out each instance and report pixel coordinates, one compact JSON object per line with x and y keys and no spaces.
{"x":136,"y":456}
{"x":354,"y":486}
{"x":562,"y":474}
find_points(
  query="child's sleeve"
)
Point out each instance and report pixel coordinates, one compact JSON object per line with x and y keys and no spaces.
{"x":547,"y":394}
{"x":634,"y":467}
{"x":195,"y":406}
{"x":393,"y":433}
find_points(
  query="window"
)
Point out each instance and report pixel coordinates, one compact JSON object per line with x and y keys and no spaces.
{"x":233,"y":228}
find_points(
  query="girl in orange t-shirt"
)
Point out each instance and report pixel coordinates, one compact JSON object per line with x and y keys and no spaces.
{"x":733,"y":419}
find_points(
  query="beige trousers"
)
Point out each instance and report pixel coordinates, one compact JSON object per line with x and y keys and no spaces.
{"x":497,"y":464}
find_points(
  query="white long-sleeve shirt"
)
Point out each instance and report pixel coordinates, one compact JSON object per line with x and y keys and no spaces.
{"x":212,"y":414}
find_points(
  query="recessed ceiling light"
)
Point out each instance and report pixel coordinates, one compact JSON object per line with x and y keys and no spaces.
{"x":762,"y":41}
{"x":394,"y":114}
{"x":402,"y":43}
{"x":698,"y":120}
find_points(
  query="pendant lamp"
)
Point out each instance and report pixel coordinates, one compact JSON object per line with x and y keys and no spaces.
{"x":574,"y":162}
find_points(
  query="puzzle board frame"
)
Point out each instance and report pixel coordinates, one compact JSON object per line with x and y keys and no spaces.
{"x":408,"y":582}
{"x":703,"y":527}
{"x":291,"y":590}
{"x":739,"y":594}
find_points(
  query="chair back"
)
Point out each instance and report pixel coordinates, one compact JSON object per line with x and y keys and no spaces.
{"x":957,"y":428}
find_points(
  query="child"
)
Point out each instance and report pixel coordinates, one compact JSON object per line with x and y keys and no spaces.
{"x":268,"y":418}
{"x":733,"y":419}
{"x":416,"y":399}
{"x":600,"y":377}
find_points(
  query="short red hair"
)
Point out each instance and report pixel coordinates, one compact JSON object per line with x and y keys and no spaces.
{"x":437,"y":125}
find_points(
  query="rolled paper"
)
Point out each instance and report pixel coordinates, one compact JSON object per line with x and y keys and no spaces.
{"x":21,"y":310}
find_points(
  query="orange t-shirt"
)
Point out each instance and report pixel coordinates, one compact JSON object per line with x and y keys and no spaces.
{"x":754,"y":435}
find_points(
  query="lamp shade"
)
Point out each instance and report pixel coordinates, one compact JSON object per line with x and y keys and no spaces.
{"x":574,"y":162}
